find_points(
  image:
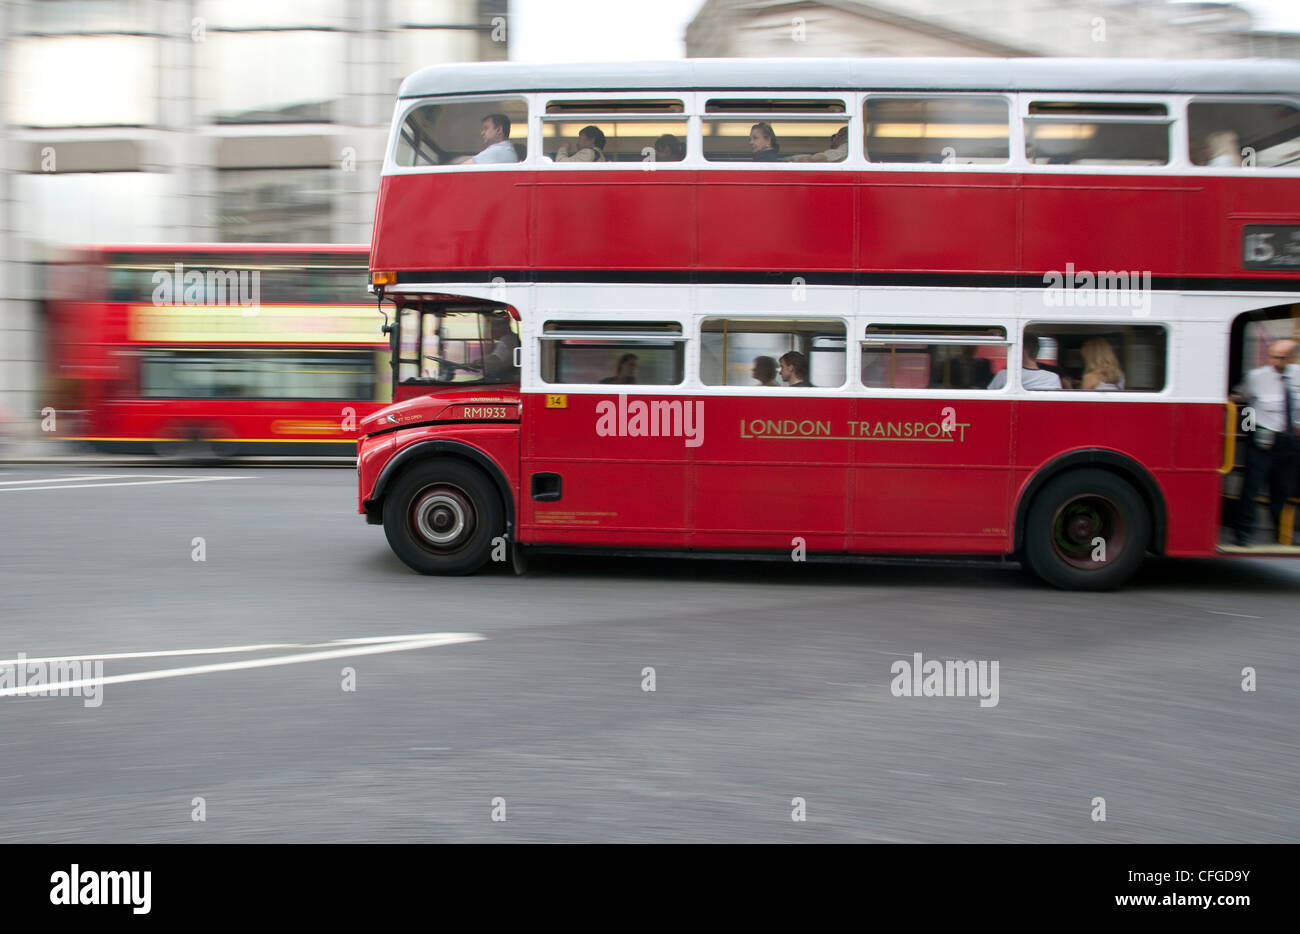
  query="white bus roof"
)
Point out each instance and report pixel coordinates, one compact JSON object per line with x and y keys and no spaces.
{"x":1103,"y":75}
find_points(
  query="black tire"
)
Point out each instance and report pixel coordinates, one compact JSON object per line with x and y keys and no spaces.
{"x":196,"y":444}
{"x":1066,"y":518}
{"x":441,"y":516}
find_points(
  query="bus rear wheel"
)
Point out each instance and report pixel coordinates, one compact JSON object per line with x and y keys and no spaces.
{"x":1087,"y":530}
{"x":442,"y":516}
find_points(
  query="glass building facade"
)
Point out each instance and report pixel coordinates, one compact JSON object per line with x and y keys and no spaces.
{"x":198,"y":120}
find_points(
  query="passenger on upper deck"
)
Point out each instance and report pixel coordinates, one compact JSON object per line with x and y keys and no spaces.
{"x":763,"y":142}
{"x":591,"y":147}
{"x":838,"y":152}
{"x":668,"y":148}
{"x":1225,"y":149}
{"x":1031,"y":375}
{"x":496,"y":142}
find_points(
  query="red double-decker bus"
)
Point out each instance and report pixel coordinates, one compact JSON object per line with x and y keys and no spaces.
{"x":833,"y":308}
{"x":216,"y":349}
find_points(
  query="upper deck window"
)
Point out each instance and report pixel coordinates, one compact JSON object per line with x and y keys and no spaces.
{"x":1233,"y":134}
{"x":775,"y":130}
{"x":953,"y":129}
{"x":1097,"y":133}
{"x":482,"y":132}
{"x":616,"y":130}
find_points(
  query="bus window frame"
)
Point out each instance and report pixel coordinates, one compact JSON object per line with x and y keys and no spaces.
{"x":406,"y":107}
{"x":697,"y":339}
{"x":1140,"y":395}
{"x":936,"y":392}
{"x":1177,"y":121}
{"x":688,"y":116}
{"x":853,"y":120}
{"x":1174,"y":120}
{"x":1230,"y":171}
{"x":143,"y":352}
{"x":1015,"y":161}
{"x":533,"y":363}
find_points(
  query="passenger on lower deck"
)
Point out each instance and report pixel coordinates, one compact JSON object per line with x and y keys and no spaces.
{"x":965,"y":371}
{"x":1101,"y":369}
{"x":794,"y":370}
{"x":1031,"y":375}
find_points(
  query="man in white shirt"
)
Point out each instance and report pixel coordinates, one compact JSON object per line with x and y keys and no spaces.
{"x":1031,"y":376}
{"x":496,"y":141}
{"x":1273,"y":392}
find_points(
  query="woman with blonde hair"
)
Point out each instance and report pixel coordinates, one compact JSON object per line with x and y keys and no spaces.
{"x":1101,"y":369}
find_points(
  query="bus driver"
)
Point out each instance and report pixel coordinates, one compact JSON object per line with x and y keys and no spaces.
{"x":499,"y":364}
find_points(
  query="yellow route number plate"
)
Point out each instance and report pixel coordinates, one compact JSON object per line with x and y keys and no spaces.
{"x":556,"y":401}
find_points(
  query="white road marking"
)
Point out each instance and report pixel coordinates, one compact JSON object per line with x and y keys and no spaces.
{"x":86,"y":486}
{"x":1235,"y":615}
{"x":220,"y":650}
{"x":105,"y":476}
{"x":421,"y":641}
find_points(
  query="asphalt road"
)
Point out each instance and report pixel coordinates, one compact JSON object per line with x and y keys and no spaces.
{"x":772,"y":682}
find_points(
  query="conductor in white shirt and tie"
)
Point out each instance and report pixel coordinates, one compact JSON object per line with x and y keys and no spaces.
{"x":1273,"y":391}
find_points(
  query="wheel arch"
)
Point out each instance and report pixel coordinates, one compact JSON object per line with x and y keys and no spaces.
{"x":423,"y":450}
{"x":1119,"y":464}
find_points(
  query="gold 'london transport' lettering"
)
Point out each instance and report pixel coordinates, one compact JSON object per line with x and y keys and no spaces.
{"x":793,"y":429}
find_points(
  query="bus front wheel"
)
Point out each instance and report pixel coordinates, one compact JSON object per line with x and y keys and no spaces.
{"x":442,"y":516}
{"x":1087,"y":530}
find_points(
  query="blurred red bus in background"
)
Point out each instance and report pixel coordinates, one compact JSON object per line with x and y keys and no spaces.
{"x":215,"y":349}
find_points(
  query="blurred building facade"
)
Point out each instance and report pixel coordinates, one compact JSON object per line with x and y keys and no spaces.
{"x":198,"y":120}
{"x":1082,"y":28}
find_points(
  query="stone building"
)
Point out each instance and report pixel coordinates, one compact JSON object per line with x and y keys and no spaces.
{"x":1082,"y":28}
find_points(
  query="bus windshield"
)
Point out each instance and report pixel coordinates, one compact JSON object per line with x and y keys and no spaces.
{"x":445,"y":345}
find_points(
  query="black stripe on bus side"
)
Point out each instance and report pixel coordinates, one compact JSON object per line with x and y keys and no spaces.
{"x":986,"y":280}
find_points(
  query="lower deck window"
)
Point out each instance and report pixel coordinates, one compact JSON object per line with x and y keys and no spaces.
{"x":913,"y":356}
{"x":650,"y":353}
{"x":258,"y":374}
{"x":1103,"y":357}
{"x":772,"y":352}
